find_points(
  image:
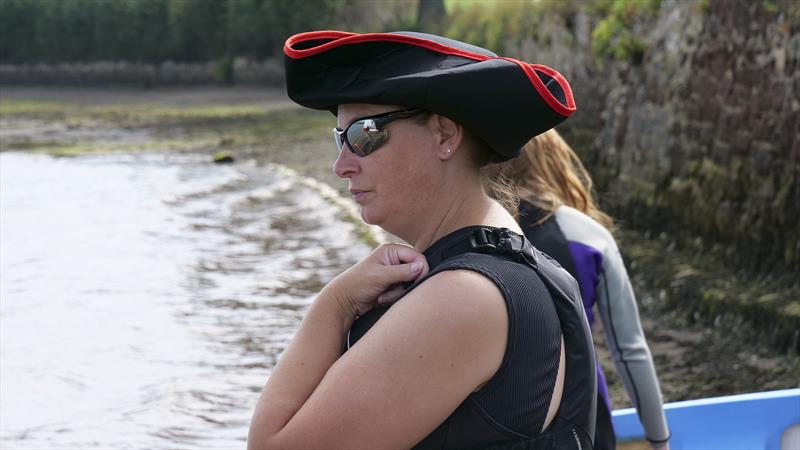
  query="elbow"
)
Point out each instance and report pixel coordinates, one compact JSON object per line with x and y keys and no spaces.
{"x":263,"y":437}
{"x":265,"y":429}
{"x":255,"y":441}
{"x":260,"y":439}
{"x":261,"y":443}
{"x":632,"y":353}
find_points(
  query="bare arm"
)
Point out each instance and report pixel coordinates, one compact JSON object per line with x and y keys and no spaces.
{"x":402,"y":379}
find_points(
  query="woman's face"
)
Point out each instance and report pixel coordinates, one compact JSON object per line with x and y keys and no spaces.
{"x":393,"y":184}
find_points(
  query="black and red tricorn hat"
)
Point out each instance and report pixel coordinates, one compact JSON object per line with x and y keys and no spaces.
{"x":503,"y":101}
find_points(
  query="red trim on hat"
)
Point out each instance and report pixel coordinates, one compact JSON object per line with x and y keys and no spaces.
{"x":344,"y":38}
{"x":312,"y":35}
{"x":339,"y":38}
{"x":547,"y":96}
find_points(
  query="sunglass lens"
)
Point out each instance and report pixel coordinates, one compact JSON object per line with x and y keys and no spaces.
{"x":363,"y":142}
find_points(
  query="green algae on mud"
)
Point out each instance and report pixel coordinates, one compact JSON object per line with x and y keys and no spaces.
{"x":249,"y":129}
{"x":158,"y":116}
{"x":705,"y":337}
{"x":700,"y":288}
{"x":31,"y":107}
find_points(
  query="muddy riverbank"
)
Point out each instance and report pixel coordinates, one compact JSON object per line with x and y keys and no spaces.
{"x":695,"y":357}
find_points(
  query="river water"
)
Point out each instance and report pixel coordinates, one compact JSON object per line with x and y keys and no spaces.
{"x":145,"y":297}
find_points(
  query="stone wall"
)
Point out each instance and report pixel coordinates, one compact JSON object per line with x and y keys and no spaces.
{"x":697,"y":135}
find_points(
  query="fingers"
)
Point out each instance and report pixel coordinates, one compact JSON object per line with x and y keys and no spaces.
{"x":384,"y":272}
{"x":395,"y":254}
{"x":402,"y":272}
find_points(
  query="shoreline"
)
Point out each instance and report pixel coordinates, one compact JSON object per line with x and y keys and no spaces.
{"x":693,"y":359}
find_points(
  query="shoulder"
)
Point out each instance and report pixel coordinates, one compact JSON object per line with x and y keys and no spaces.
{"x":465,"y":290}
{"x":458,"y":303}
{"x":497,"y":291}
{"x":579,"y":227}
{"x":455,"y":316}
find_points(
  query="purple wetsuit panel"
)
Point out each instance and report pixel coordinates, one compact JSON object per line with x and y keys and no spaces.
{"x":588,"y":264}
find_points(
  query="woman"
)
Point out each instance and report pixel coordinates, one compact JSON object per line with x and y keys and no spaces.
{"x":455,"y":362}
{"x":559,"y":216}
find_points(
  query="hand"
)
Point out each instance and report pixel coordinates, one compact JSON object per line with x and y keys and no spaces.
{"x":378,"y":278}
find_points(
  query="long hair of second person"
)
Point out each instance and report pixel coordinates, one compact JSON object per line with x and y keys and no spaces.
{"x":549,"y":174}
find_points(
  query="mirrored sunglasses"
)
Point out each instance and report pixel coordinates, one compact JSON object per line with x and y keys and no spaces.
{"x":368,"y":134}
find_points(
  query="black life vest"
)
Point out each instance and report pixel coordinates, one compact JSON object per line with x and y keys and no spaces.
{"x":543,"y":303}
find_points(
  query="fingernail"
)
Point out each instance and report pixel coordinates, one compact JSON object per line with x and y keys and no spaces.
{"x":416,"y":267}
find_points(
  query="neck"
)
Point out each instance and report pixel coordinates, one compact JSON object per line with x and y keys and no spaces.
{"x":461,"y":208}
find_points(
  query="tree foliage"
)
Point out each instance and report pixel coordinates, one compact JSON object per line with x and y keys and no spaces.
{"x":53,"y":31}
{"x":615,"y":35}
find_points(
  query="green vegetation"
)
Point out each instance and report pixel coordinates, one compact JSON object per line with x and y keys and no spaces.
{"x":168,"y":127}
{"x":223,"y":157}
{"x":130,"y":115}
{"x":500,"y":25}
{"x":619,"y":32}
{"x":153,"y":31}
{"x":28,"y":107}
{"x":700,"y":287}
{"x":770,"y":6}
{"x":616,"y":35}
{"x":452,"y":5}
{"x":712,"y":198}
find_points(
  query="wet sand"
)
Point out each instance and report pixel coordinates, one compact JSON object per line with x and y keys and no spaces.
{"x":693,"y":361}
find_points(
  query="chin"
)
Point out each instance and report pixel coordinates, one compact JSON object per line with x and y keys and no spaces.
{"x":368,"y":216}
{"x":374,"y":216}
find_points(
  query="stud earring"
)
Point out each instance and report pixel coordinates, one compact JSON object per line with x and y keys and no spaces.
{"x":448,"y":150}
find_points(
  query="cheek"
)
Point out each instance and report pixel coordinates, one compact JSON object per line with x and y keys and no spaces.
{"x":407,"y":173}
{"x":410,"y":182}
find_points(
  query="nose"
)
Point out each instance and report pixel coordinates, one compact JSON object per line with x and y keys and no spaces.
{"x":347,"y":164}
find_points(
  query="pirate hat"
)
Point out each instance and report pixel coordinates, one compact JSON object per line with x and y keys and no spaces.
{"x":503,"y":101}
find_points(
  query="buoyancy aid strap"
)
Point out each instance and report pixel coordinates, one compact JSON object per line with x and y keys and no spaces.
{"x":476,"y":239}
{"x":580,"y":358}
{"x":479,"y":239}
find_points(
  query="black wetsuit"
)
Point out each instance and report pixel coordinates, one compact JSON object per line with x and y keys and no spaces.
{"x":542,"y":302}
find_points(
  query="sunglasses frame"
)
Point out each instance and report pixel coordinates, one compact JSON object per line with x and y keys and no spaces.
{"x":372,"y":124}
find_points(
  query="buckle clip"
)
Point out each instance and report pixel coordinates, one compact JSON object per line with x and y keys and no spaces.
{"x":481,"y":240}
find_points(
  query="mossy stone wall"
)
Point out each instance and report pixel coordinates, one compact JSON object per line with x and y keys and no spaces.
{"x":696,"y":133}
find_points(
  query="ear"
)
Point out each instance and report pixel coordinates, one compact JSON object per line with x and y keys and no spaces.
{"x":450,"y":136}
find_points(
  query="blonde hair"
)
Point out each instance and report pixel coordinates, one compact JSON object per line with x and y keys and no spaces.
{"x":549,"y":174}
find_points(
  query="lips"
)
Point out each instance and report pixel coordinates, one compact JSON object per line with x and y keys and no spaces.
{"x":358,"y":194}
